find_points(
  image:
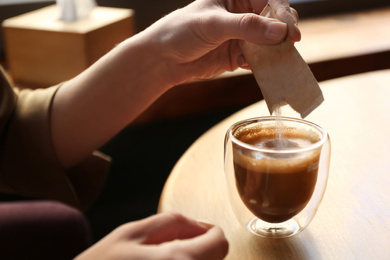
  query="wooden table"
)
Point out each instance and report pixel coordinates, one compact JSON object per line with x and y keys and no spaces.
{"x":353,"y":221}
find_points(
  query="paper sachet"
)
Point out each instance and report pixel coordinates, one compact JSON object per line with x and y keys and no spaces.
{"x":282,"y":75}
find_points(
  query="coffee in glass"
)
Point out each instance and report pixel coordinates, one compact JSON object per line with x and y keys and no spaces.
{"x":276,"y":175}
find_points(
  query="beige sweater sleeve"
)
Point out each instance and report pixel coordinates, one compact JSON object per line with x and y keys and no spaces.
{"x":28,"y":163}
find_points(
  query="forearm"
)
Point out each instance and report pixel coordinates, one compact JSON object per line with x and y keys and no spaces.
{"x":90,"y":109}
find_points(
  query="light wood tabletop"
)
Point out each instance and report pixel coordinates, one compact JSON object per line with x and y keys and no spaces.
{"x":353,"y":220}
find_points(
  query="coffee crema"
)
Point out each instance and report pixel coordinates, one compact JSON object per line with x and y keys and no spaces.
{"x":275,"y":186}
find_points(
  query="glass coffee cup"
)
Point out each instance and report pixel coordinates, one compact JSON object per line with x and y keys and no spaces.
{"x":277,"y":170}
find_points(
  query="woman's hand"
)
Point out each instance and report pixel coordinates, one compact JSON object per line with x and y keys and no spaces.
{"x":163,"y":236}
{"x":201,"y":39}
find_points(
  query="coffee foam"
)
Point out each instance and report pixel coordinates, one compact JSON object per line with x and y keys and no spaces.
{"x":278,"y":165}
{"x":271,"y":159}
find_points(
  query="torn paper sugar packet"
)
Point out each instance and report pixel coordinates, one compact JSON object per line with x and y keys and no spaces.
{"x":282,"y":75}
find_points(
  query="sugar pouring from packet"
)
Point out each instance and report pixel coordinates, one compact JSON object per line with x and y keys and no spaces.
{"x":285,"y":80}
{"x":282,"y":75}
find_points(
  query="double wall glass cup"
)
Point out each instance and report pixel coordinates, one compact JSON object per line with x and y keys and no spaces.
{"x":277,"y":170}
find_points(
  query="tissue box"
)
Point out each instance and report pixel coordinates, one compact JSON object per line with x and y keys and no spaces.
{"x":42,"y":50}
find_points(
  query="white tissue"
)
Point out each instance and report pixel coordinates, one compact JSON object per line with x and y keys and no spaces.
{"x":73,"y":10}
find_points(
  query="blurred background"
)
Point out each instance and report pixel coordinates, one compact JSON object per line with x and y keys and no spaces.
{"x":145,"y":152}
{"x":148,"y":11}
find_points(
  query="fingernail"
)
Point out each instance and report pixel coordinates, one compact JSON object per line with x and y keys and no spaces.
{"x":276,"y":31}
{"x":297,"y":28}
{"x":241,"y":61}
{"x":205,"y":224}
{"x":297,"y":34}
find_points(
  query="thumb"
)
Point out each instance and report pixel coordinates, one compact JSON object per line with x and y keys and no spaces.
{"x":253,"y":28}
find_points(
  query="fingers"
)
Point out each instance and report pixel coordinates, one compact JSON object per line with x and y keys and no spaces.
{"x":288,"y":15}
{"x":293,"y":31}
{"x":165,"y":227}
{"x":295,"y":15}
{"x":178,"y":237}
{"x":210,"y":245}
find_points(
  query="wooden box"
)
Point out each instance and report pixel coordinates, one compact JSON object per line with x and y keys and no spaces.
{"x":41,"y":50}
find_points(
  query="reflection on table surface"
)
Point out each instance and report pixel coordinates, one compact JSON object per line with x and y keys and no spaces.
{"x":353,"y":221}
